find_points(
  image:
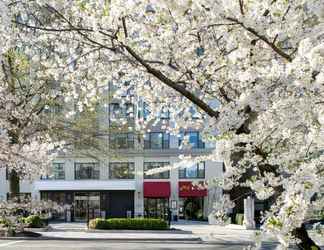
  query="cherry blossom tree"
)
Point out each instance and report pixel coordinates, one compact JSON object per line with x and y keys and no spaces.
{"x":249,"y":74}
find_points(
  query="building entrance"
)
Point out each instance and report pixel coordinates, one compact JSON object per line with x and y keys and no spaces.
{"x":156,"y":207}
{"x":86,"y":206}
{"x":191,"y":208}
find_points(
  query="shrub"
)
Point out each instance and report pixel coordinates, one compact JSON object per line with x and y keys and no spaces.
{"x":129,"y":223}
{"x":239,"y":219}
{"x":5,"y":222}
{"x":33,"y":221}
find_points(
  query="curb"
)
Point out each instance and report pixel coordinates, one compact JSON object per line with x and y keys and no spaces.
{"x":192,"y":240}
{"x":138,"y":231}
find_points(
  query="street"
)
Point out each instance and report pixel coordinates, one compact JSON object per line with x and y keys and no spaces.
{"x":101,"y":245}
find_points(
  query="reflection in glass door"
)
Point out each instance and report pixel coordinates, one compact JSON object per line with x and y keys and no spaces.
{"x":86,"y":206}
{"x":94,"y":205}
{"x":156,"y":207}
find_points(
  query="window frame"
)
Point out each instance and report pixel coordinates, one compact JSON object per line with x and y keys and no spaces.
{"x":199,"y":144}
{"x":129,"y":139}
{"x":165,"y":137}
{"x":61,"y":164}
{"x":183,"y":172}
{"x":122,"y":108}
{"x":93,"y":173}
{"x":157,"y":175}
{"x":130,"y":172}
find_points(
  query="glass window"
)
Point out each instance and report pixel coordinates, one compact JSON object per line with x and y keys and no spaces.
{"x":157,"y":140}
{"x":194,"y":139}
{"x":20,"y":197}
{"x":193,"y":172}
{"x":122,"y":141}
{"x":84,"y":171}
{"x":121,"y":170}
{"x":146,"y":111}
{"x":163,"y":114}
{"x":194,"y":113}
{"x":121,"y":111}
{"x":58,"y":171}
{"x":156,"y":207}
{"x":152,"y":165}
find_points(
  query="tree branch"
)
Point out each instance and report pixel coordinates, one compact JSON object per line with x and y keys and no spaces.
{"x":263,"y":38}
{"x":159,"y":75}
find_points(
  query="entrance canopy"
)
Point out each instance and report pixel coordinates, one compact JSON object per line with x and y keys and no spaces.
{"x":157,"y":189}
{"x":186,"y":189}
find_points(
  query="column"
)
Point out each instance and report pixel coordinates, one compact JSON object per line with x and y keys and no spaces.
{"x":249,"y":222}
{"x":69,"y":170}
{"x":3,"y":184}
{"x":174,"y":180}
{"x":138,"y":195}
{"x":104,"y":169}
{"x":212,"y":170}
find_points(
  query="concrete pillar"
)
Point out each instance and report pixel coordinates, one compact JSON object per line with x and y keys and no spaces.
{"x":174,"y":180}
{"x":104,"y":170}
{"x":3,"y":184}
{"x":139,"y":195}
{"x":249,"y":222}
{"x":69,"y":170}
{"x":35,"y":193}
{"x":212,"y":170}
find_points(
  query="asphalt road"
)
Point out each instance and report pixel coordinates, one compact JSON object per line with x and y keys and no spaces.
{"x":104,"y":245}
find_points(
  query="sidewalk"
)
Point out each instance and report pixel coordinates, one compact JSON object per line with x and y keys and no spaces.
{"x":72,"y":231}
{"x":138,"y":236}
{"x":230,"y":234}
{"x":191,"y":231}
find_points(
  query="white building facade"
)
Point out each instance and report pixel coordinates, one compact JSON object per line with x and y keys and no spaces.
{"x":118,"y":186}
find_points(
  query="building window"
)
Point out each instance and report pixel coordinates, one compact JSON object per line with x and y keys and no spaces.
{"x":121,"y":170}
{"x":157,"y":140}
{"x":20,"y":197}
{"x":152,"y":165}
{"x":121,"y":111}
{"x":58,"y":171}
{"x":194,"y":139}
{"x":156,"y":207}
{"x":85,"y":171}
{"x":193,"y":172}
{"x":122,"y":141}
{"x":163,"y":114}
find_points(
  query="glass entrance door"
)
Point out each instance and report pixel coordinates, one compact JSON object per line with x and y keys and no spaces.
{"x":94,"y":205}
{"x":156,"y":207}
{"x":86,"y":206}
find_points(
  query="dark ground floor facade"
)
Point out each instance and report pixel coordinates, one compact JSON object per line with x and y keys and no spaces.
{"x":85,"y":205}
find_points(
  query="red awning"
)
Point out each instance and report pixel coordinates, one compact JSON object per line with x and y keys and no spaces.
{"x":186,"y":189}
{"x":157,"y":189}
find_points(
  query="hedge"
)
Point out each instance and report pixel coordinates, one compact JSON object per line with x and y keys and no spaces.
{"x":34,"y":221}
{"x":239,"y":219}
{"x":128,"y":223}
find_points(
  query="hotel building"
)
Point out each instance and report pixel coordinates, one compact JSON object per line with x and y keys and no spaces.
{"x":119,"y":187}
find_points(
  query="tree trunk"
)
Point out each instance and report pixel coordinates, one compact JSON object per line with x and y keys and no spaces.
{"x":14,"y":184}
{"x":306,"y":242}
